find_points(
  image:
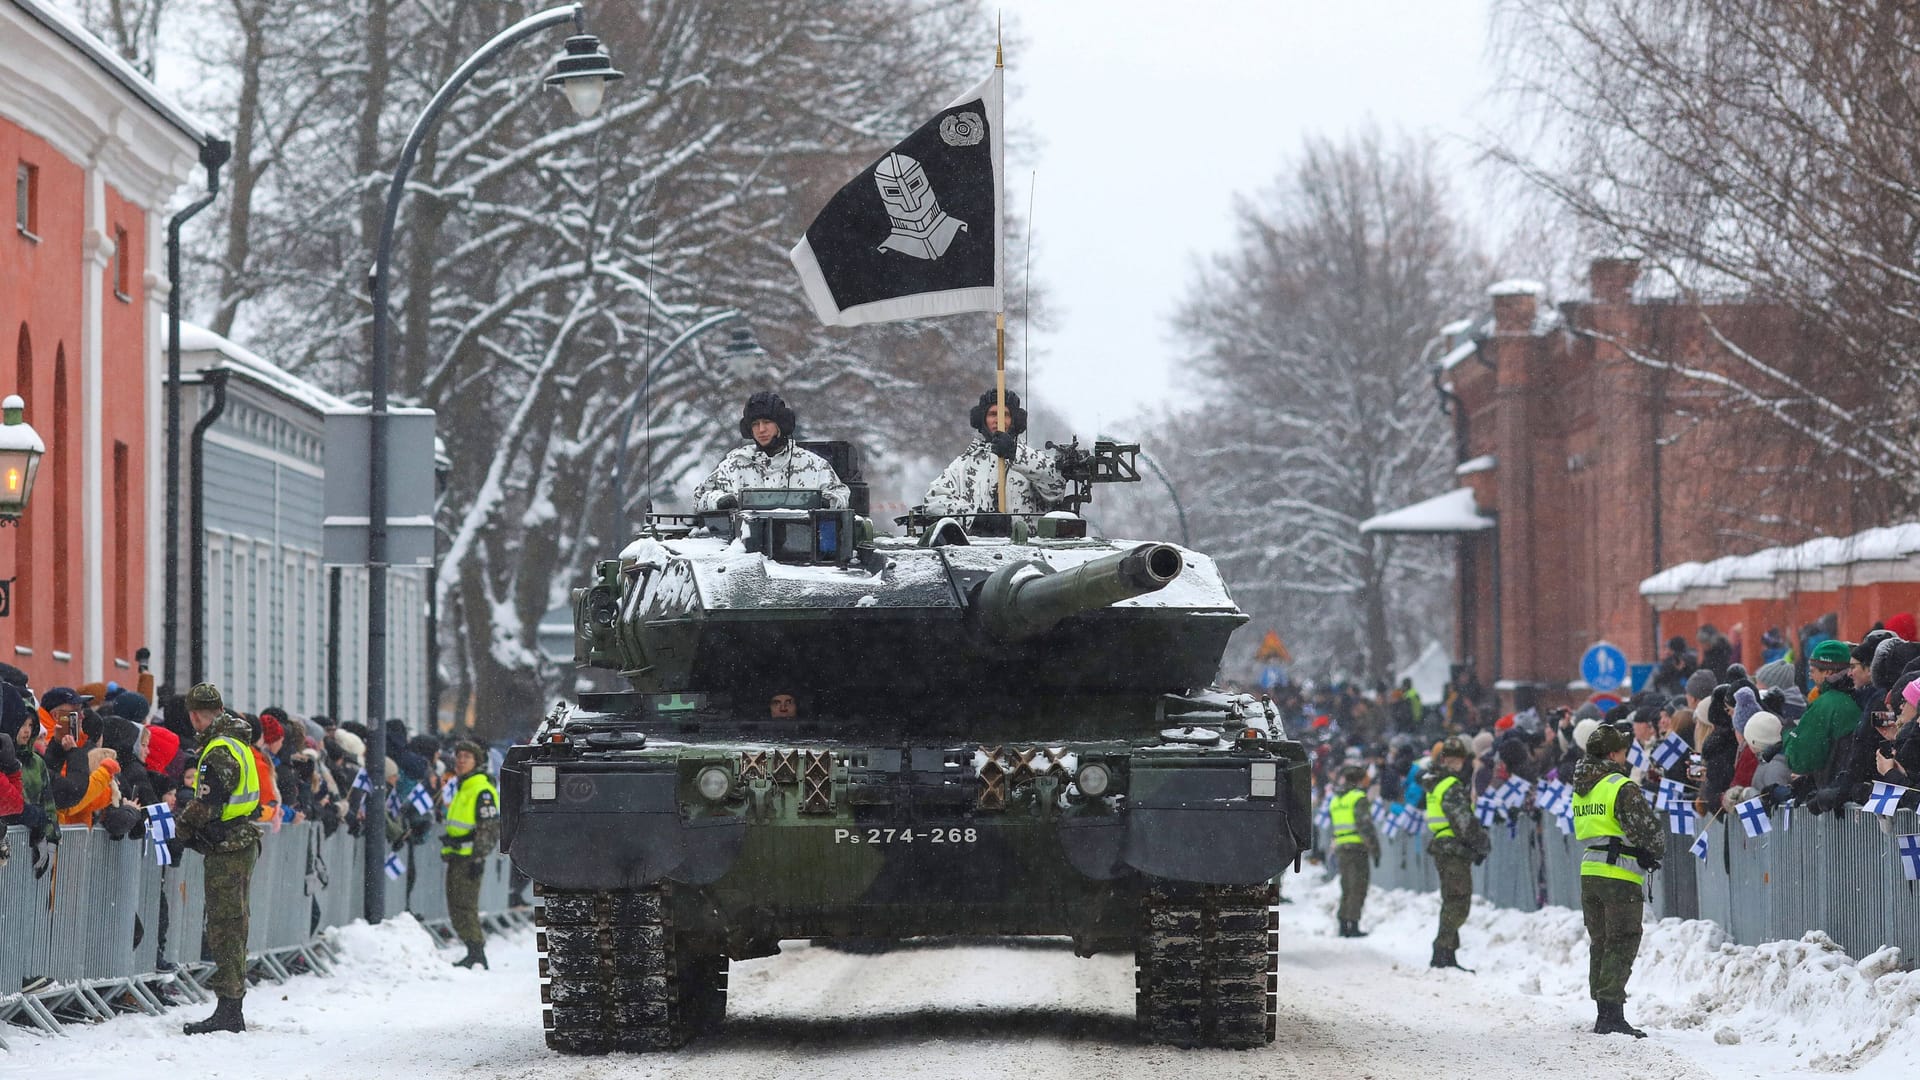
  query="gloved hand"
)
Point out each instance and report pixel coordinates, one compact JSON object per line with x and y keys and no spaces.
{"x":1649,"y":864}
{"x":43,"y":858}
{"x":1480,"y":858}
{"x":1004,"y":444}
{"x":9,"y":758}
{"x":476,"y":868}
{"x":729,"y":501}
{"x":176,"y":850}
{"x":1376,"y":857}
{"x":6,"y":850}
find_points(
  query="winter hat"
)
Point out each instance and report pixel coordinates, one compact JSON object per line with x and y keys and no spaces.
{"x":480,"y":752}
{"x":396,"y":736}
{"x":1352,"y":774}
{"x":1589,"y":711}
{"x":978,"y":416}
{"x":1503,"y":723}
{"x":350,"y":744}
{"x":1700,"y":684}
{"x":13,"y":710}
{"x":60,"y":697}
{"x":120,"y":736}
{"x":1832,"y":652}
{"x":1605,"y":740}
{"x":1904,"y":625}
{"x":1763,"y":732}
{"x":13,"y":676}
{"x":162,"y":747}
{"x":130,"y":706}
{"x":1891,"y":658}
{"x":315,"y":733}
{"x":767,"y":405}
{"x":205,"y":697}
{"x":1482,"y":743}
{"x":1911,"y":695}
{"x":1863,"y":652}
{"x":1745,"y":704}
{"x":1778,"y":675}
{"x":1527,"y":720}
{"x":1676,"y":643}
{"x":1584,"y":730}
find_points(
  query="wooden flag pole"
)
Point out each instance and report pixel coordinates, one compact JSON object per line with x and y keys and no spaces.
{"x":1000,"y":391}
{"x":1000,"y":317}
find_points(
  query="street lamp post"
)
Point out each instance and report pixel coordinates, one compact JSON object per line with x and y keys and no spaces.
{"x":585,"y":62}
{"x":741,"y":349}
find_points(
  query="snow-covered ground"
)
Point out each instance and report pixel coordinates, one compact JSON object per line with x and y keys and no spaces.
{"x":1366,"y":1008}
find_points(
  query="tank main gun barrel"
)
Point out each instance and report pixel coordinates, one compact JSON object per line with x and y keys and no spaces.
{"x":1025,"y":599}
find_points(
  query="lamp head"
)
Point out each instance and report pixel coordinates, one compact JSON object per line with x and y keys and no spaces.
{"x":583,"y":74}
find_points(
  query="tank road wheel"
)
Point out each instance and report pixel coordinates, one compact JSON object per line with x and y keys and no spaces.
{"x":617,"y":976}
{"x":1204,"y":964}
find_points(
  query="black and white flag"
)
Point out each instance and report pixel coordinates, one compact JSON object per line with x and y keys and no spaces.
{"x":918,"y":232}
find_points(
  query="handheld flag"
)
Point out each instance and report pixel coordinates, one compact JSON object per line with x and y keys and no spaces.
{"x":1669,"y":751}
{"x":1564,"y":818}
{"x":393,"y":803}
{"x":360,"y":781}
{"x":918,"y":232}
{"x":1487,"y":812}
{"x":1909,"y":848}
{"x":420,"y":799}
{"x":1699,"y":847}
{"x":1885,"y":798}
{"x":395,"y":868}
{"x":1753,"y":816}
{"x":1636,"y":757}
{"x":160,"y":823}
{"x":1672,"y":791}
{"x":1681,"y":820}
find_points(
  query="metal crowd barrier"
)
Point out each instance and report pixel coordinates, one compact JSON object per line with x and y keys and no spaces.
{"x":107,"y":929}
{"x":1839,"y":875}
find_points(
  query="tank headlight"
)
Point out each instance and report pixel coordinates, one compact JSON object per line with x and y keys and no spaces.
{"x":713,"y":783}
{"x":542,"y":781}
{"x":1093,"y":780}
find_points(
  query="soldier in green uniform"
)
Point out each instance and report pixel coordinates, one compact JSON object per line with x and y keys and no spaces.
{"x":1459,"y":843}
{"x":1355,"y":843}
{"x":473,"y":827}
{"x":1624,"y":840}
{"x":218,"y":824}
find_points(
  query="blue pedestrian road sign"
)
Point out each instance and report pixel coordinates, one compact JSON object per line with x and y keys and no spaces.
{"x":1604,"y":667}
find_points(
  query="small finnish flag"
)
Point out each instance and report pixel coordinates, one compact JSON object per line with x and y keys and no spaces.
{"x":1673,"y":791}
{"x":1681,"y":820}
{"x":1409,"y":821}
{"x":1909,"y":848}
{"x":1561,"y":804}
{"x":1885,"y":798}
{"x":393,"y":804}
{"x":1636,"y":757}
{"x":1516,"y":791}
{"x":1379,"y":814}
{"x":1323,"y":817}
{"x":1669,"y":751}
{"x":360,"y":781}
{"x":1753,"y":816}
{"x":160,"y":823}
{"x":1699,"y":847}
{"x":396,"y":868}
{"x":1486,"y":810}
{"x":421,"y":799}
{"x":1564,"y":819}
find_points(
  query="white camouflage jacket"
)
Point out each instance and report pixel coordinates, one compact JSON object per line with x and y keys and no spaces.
{"x":971,"y":483}
{"x":746,"y":467}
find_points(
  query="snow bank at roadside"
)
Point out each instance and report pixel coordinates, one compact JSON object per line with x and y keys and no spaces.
{"x":1803,"y":1005}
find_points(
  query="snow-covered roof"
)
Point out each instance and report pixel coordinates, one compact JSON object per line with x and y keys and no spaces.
{"x":198,"y":339}
{"x":1459,"y":354}
{"x":1457,"y":326}
{"x":1483,"y":463}
{"x":1888,"y":544}
{"x":82,"y":39}
{"x":1518,"y":287}
{"x":1453,"y":512}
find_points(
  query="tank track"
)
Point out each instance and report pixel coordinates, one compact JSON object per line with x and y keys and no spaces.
{"x":1205,"y":965}
{"x":616,"y":975}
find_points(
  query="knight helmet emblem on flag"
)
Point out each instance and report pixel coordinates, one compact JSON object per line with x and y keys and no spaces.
{"x":920,"y":228}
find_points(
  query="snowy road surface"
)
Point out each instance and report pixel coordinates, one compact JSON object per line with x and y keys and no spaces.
{"x":1364,"y":1009}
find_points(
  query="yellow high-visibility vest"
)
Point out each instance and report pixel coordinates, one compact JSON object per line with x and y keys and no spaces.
{"x":245,"y":798}
{"x":464,"y":815}
{"x":1436,"y":817}
{"x":1594,"y":819}
{"x":1341,"y":810}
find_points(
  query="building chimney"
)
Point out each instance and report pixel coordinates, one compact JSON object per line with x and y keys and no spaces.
{"x":1611,"y":278}
{"x":1514,"y":303}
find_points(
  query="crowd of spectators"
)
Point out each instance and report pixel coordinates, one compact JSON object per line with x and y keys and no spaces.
{"x":98,"y":755}
{"x":1815,"y":728}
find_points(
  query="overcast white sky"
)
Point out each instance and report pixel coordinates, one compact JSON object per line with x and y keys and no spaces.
{"x":1149,"y":116}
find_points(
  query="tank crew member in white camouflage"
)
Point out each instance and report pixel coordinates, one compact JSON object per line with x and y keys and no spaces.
{"x":770,"y":461}
{"x":971,"y":484}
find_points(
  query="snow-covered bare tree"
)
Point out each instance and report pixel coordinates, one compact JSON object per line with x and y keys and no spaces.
{"x":544,"y":261}
{"x":1318,"y":407}
{"x":1756,"y":149}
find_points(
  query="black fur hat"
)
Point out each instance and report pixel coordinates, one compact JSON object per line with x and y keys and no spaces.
{"x":1890,"y":658}
{"x":978,"y":417}
{"x":767,"y":405}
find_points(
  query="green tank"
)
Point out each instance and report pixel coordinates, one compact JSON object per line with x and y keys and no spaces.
{"x":837,"y":735}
